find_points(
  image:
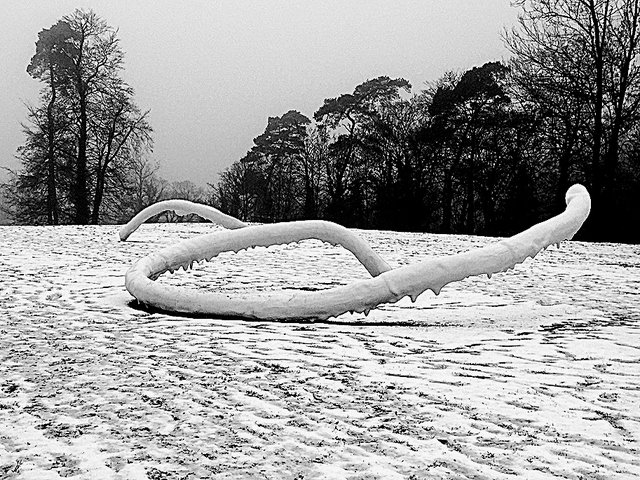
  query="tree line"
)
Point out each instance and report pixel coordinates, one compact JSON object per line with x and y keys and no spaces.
{"x":489,"y":150}
{"x":458,"y":157}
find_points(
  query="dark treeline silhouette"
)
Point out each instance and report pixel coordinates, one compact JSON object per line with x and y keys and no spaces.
{"x":490,"y":150}
{"x":459,"y":157}
{"x":487,"y":151}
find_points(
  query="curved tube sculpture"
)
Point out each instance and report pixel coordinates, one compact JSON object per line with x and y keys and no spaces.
{"x":181,"y":207}
{"x":387,"y":285}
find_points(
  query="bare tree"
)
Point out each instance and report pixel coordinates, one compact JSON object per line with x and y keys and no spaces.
{"x":88,"y":130}
{"x":581,"y":56}
{"x":51,"y":64}
{"x":120,"y":134}
{"x":96,"y":60}
{"x":146,"y":185}
{"x":236,"y":191}
{"x":184,"y":190}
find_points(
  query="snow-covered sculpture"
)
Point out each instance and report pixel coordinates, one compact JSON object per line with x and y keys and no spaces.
{"x":387,"y":285}
{"x":180,"y":207}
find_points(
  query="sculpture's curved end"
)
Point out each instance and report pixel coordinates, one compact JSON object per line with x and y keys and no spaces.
{"x":577,"y":197}
{"x":576,"y":190}
{"x":387,"y":285}
{"x":181,"y":207}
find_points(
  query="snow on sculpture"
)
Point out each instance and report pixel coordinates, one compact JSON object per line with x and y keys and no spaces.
{"x":181,"y":207}
{"x":387,"y":285}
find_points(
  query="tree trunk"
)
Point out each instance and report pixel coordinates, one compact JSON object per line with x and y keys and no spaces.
{"x":488,"y":210}
{"x":563,"y":166}
{"x":596,"y":180}
{"x":310,"y":207}
{"x":447,"y":200}
{"x":471,"y":204}
{"x":599,"y":40}
{"x":80,"y":193}
{"x":97,"y":198}
{"x":52,"y":199}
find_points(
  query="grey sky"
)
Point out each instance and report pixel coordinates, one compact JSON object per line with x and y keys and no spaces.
{"x":213,"y":71}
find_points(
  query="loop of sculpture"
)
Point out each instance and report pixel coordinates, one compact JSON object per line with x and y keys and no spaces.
{"x":387,"y":285}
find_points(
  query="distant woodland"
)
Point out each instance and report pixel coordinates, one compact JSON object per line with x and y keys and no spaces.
{"x":488,"y":151}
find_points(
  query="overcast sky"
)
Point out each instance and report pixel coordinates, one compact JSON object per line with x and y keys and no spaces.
{"x":211,"y":72}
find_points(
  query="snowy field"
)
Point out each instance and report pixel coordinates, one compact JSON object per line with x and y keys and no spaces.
{"x":533,"y":374}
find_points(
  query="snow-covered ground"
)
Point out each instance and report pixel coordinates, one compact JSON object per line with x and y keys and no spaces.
{"x":533,"y":374}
